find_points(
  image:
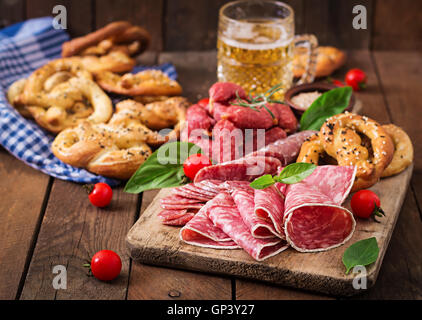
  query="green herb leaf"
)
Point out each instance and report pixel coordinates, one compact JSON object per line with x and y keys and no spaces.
{"x":327,"y":105}
{"x":262,"y":182}
{"x":163,"y":169}
{"x":295,"y":172}
{"x":363,"y":252}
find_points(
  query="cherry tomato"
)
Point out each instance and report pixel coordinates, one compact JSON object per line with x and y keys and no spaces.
{"x":365,"y":204}
{"x":356,"y":78}
{"x":204,"y":102}
{"x":338,"y":83}
{"x":194,"y":163}
{"x":101,"y":195}
{"x":106,"y":265}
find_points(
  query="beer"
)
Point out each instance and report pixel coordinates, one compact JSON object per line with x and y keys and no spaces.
{"x":255,"y":45}
{"x":256,"y":60}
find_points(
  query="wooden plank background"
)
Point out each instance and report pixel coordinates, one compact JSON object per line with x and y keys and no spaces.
{"x":192,"y":25}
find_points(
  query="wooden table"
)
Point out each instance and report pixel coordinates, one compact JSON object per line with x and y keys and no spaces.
{"x":46,"y":222}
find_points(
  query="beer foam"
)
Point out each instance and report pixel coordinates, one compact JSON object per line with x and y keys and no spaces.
{"x":261,"y":43}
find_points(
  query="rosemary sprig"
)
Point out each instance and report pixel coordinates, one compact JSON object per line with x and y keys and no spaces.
{"x":259,"y":101}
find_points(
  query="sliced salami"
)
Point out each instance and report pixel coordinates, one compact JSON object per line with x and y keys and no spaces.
{"x":183,"y":192}
{"x":269,"y":206}
{"x":286,"y":150}
{"x":245,"y":169}
{"x":229,"y":220}
{"x":181,"y":221}
{"x":175,"y":199}
{"x":182,"y":206}
{"x":314,"y":219}
{"x":200,"y":231}
{"x":244,"y":200}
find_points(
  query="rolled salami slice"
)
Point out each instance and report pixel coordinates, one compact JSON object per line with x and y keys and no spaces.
{"x":269,"y":206}
{"x":244,"y":169}
{"x":314,"y":219}
{"x":229,"y":220}
{"x":286,"y":150}
{"x":200,"y":231}
{"x":244,"y":200}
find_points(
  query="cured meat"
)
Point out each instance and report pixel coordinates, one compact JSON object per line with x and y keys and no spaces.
{"x":314,"y":219}
{"x":286,"y":150}
{"x":225,"y":91}
{"x":244,"y":169}
{"x":285,"y":116}
{"x":227,"y":217}
{"x":243,"y":117}
{"x":200,"y":231}
{"x":181,"y":221}
{"x":175,"y":199}
{"x":243,"y":197}
{"x":269,"y":206}
{"x":198,"y":118}
{"x":228,"y":140}
{"x":186,"y":193}
{"x":175,"y":217}
{"x":182,"y":206}
{"x":217,"y":109}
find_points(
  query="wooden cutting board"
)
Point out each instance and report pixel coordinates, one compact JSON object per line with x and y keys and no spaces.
{"x":153,"y":243}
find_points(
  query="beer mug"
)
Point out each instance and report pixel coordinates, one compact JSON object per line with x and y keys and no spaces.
{"x":256,"y":45}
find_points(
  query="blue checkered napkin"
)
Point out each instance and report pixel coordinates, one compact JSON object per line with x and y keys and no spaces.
{"x":25,"y":47}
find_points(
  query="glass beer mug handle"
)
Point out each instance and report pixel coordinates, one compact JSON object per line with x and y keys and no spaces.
{"x":311,"y":44}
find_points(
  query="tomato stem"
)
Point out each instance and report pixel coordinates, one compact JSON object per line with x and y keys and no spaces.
{"x":378,"y":212}
{"x":88,"y":188}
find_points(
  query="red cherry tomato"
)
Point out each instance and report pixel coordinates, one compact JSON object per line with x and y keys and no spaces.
{"x":101,"y":195}
{"x":204,"y":102}
{"x":365,"y":204}
{"x":106,"y":265}
{"x":356,"y":78}
{"x":194,"y":163}
{"x":338,"y":83}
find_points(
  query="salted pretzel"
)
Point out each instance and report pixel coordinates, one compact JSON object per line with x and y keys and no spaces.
{"x":118,"y":148}
{"x":343,"y":137}
{"x":403,"y":150}
{"x":329,"y":59}
{"x":62,"y":93}
{"x":115,"y":61}
{"x":14,"y":97}
{"x":148,"y":82}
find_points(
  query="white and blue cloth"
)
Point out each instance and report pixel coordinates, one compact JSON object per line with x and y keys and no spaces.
{"x":24,"y":47}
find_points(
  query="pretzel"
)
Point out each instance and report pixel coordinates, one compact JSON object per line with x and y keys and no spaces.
{"x":148,"y":82}
{"x":329,"y":59}
{"x":403,"y":150}
{"x":116,"y":36}
{"x":62,"y":93}
{"x":340,"y":137}
{"x":75,"y":46}
{"x":14,"y":97}
{"x":118,"y":148}
{"x":115,"y":61}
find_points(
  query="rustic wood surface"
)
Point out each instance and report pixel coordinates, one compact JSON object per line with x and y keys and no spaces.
{"x":46,"y":221}
{"x":192,"y":25}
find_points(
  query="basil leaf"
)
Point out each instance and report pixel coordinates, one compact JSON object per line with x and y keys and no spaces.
{"x":295,"y":172}
{"x":363,"y":253}
{"x":163,"y":168}
{"x":262,"y":182}
{"x":327,"y":105}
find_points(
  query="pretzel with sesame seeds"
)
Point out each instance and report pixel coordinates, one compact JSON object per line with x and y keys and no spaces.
{"x":342,"y":137}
